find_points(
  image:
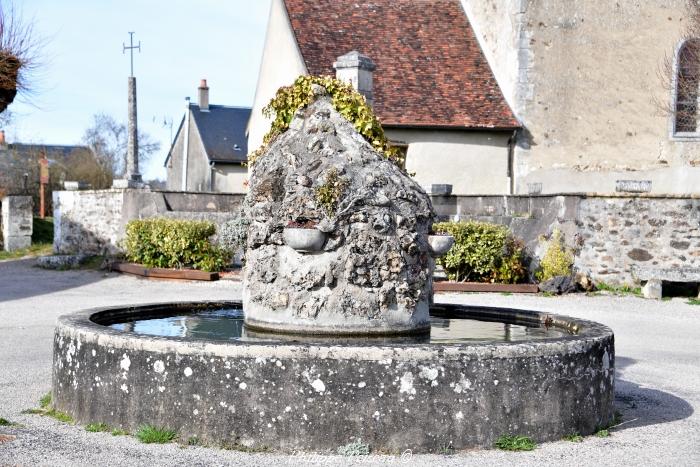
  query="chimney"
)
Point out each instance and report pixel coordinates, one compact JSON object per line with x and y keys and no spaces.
{"x":3,"y":143}
{"x":203,"y":96}
{"x":356,"y":69}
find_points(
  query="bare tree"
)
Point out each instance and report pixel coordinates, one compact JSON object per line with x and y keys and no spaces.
{"x":680,"y":75}
{"x":19,"y":52}
{"x":107,"y":138}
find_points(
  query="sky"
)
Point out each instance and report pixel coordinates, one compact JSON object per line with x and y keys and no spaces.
{"x":84,"y":71}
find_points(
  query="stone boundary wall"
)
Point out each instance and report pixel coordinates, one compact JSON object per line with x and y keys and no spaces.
{"x":16,"y":222}
{"x":611,"y":234}
{"x":94,"y":221}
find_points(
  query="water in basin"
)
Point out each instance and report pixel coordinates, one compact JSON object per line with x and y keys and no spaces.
{"x":227,"y":324}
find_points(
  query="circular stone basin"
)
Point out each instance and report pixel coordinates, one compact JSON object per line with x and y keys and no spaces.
{"x":481,"y":373}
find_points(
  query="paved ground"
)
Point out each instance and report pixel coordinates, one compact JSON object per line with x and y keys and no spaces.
{"x":658,"y":378}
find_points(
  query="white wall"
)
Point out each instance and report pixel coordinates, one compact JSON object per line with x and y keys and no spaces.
{"x":229,"y":178}
{"x":473,"y":162}
{"x":281,"y":64}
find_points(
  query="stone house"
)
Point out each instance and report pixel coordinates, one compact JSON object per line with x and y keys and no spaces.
{"x":210,"y":148}
{"x":419,"y":63}
{"x":582,"y":79}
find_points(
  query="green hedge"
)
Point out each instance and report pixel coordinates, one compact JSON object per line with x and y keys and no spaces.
{"x":172,"y":243}
{"x":482,"y":252}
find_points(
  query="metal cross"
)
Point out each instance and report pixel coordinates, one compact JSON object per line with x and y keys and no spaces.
{"x":131,"y":48}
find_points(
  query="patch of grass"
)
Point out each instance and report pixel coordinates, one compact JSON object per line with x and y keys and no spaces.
{"x":97,"y":427}
{"x":446,"y":449}
{"x":6,"y":422}
{"x":119,"y":432}
{"x":515,"y":443}
{"x":243,"y":448}
{"x":548,"y":294}
{"x":152,"y":434}
{"x":602,"y":433}
{"x":506,"y":294}
{"x":48,"y":411}
{"x":618,"y":289}
{"x":45,"y":401}
{"x":194,"y":441}
{"x":37,"y":249}
{"x":693,"y":301}
{"x":60,"y":416}
{"x":573,"y":437}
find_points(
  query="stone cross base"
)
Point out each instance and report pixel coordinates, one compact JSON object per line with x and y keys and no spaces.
{"x":125,"y":183}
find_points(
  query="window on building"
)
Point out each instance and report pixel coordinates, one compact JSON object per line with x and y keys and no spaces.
{"x":687,"y":83}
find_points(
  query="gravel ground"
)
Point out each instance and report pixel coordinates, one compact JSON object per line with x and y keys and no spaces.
{"x":657,"y":388}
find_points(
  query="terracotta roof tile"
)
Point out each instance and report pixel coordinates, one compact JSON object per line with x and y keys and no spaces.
{"x":430,"y":68}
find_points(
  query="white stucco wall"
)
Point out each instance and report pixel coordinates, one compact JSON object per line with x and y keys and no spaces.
{"x":229,"y":178}
{"x":281,"y":64}
{"x":473,"y":162}
{"x":588,"y":91}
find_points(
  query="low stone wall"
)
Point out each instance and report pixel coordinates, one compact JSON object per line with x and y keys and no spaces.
{"x":15,"y":222}
{"x":611,"y":234}
{"x":94,"y":221}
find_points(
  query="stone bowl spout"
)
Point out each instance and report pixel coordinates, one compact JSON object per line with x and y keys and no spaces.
{"x":440,"y":244}
{"x":304,"y":240}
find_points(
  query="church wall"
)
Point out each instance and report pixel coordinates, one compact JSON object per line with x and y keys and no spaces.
{"x":589,"y":92}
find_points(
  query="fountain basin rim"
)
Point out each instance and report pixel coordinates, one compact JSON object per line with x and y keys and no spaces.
{"x":84,"y":324}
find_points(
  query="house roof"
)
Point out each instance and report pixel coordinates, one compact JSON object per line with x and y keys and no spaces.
{"x":222,"y":130}
{"x":431,"y":71}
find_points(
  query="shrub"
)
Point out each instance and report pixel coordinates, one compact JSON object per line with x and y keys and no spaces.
{"x":482,"y":252}
{"x":328,"y":194}
{"x":346,"y":100}
{"x":233,"y":234}
{"x":173,"y":243}
{"x":558,"y":260}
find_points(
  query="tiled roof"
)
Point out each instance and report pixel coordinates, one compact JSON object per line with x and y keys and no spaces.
{"x":430,"y":68}
{"x":223,"y":132}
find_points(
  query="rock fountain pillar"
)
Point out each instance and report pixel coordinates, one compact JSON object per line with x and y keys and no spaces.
{"x":338,"y":237}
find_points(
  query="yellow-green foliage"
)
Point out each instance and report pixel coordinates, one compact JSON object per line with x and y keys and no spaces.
{"x":173,"y":243}
{"x":346,"y":100}
{"x":558,"y":260}
{"x":482,"y":252}
{"x":328,"y":194}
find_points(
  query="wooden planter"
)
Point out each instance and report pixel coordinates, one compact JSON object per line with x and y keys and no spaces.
{"x":163,"y":273}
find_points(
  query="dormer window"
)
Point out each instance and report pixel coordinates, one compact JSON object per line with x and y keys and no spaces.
{"x":686,"y":109}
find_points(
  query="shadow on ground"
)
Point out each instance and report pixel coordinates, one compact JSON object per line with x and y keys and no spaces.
{"x":22,"y":279}
{"x":642,"y":406}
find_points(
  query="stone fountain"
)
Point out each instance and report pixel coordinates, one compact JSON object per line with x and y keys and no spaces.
{"x":372,"y":274}
{"x":341,"y":341}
